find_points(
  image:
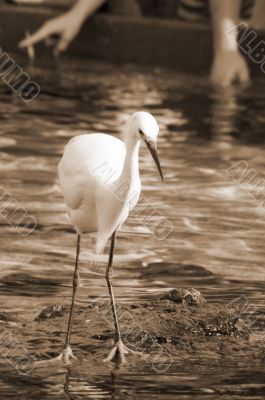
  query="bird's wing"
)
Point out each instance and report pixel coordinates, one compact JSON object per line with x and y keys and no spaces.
{"x":89,"y":160}
{"x":71,"y":185}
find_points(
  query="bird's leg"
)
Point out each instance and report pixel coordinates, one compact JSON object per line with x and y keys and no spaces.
{"x":119,"y":350}
{"x":108,"y":279}
{"x":67,"y":351}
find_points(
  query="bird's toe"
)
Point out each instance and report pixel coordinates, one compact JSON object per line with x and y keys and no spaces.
{"x":67,"y":355}
{"x":117,"y":353}
{"x":64,"y":357}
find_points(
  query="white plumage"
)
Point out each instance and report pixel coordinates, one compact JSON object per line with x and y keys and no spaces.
{"x":99,"y":177}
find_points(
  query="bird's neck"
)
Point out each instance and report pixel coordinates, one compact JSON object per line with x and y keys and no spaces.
{"x":130,"y":172}
{"x":131,"y":162}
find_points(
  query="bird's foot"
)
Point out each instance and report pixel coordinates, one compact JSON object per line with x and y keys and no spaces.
{"x":118,"y":353}
{"x":64,"y":357}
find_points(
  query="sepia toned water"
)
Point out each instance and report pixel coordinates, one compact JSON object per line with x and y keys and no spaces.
{"x":215,"y":223}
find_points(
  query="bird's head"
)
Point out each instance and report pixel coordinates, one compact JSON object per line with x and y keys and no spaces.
{"x":145,"y":128}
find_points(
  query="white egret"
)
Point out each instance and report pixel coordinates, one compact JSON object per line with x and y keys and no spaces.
{"x":99,"y":178}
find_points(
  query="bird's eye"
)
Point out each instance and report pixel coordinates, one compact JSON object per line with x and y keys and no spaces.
{"x":141,"y":132}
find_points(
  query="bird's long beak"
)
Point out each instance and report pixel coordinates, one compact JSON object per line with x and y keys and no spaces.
{"x":154,"y":154}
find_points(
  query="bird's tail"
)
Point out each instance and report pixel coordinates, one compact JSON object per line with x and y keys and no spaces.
{"x":101,"y":243}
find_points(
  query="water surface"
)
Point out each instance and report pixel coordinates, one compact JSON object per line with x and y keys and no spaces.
{"x":218,"y":223}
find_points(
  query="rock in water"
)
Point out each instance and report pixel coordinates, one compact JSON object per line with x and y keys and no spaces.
{"x":188,"y":297}
{"x":49,"y":312}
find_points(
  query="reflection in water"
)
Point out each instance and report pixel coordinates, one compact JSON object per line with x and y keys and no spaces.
{"x":74,"y":387}
{"x":225,"y":111}
{"x":67,"y":383}
{"x":217,"y":243}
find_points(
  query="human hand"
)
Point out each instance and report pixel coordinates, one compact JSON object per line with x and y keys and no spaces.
{"x":67,"y":26}
{"x":229,"y":67}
